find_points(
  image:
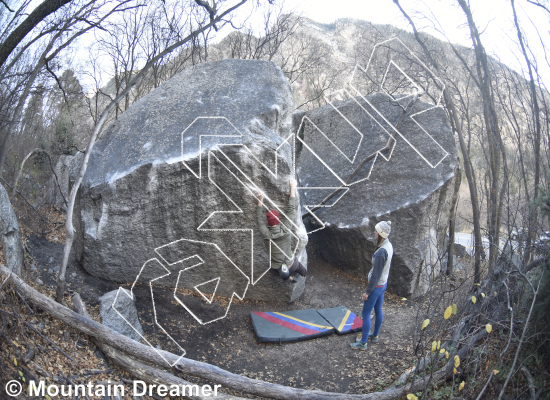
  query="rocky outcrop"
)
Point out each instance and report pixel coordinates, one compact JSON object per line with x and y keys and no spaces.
{"x":169,"y":193}
{"x":58,"y":186}
{"x":410,"y":184}
{"x":117,"y":309}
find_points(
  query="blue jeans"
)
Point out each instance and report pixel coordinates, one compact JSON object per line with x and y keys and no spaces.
{"x":375,"y":300}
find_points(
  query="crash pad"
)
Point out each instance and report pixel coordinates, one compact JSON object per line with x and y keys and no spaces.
{"x":342,"y":319}
{"x":289,"y":326}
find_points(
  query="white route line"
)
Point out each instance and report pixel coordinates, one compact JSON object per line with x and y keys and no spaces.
{"x":345,"y":188}
{"x":418,"y":89}
{"x":193,"y":266}
{"x":436,"y":105}
{"x":435,"y":77}
{"x":266,"y":198}
{"x":196,"y":287}
{"x":199,"y":176}
{"x":131,"y":295}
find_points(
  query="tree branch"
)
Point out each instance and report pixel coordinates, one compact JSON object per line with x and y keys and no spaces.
{"x":6,"y":5}
{"x":42,"y":11}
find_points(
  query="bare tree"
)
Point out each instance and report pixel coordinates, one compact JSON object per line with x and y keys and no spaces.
{"x":208,"y":17}
{"x":457,"y":127}
{"x":75,"y":22}
{"x":16,"y":36}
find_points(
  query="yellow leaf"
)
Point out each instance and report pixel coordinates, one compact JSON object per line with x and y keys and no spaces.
{"x":403,"y":299}
{"x":478,"y":284}
{"x":441,"y":351}
{"x":448,"y":312}
{"x":454,"y":309}
{"x":446,"y":354}
{"x":425,"y":323}
{"x":455,"y":371}
{"x":457,"y":361}
{"x":434,"y":345}
{"x":438,"y":344}
{"x":483,"y":295}
{"x":461,"y":386}
{"x":411,"y":396}
{"x":496,"y":371}
{"x":496,"y":294}
{"x":20,"y":373}
{"x":474,"y":299}
{"x":489,"y":328}
{"x":15,"y":361}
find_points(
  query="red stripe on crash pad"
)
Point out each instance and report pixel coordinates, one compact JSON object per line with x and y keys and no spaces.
{"x":357,"y":323}
{"x":286,"y":324}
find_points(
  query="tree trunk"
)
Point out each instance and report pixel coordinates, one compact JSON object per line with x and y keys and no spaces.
{"x":38,"y":14}
{"x":196,"y":368}
{"x":140,"y":370}
{"x":14,"y":255}
{"x":451,"y":108}
{"x":536,"y":114}
{"x":452,"y":219}
{"x":493,"y":132}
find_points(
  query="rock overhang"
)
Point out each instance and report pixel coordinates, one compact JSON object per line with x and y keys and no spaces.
{"x":223,"y":120}
{"x":410,"y":183}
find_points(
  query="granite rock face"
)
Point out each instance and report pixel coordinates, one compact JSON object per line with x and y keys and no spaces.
{"x":127,"y":322}
{"x":169,"y":193}
{"x":58,"y":186}
{"x":411,"y":184}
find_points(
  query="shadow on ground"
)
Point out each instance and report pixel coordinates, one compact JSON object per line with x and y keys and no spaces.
{"x":326,"y":363}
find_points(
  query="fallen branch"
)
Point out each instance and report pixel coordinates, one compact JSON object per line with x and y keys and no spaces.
{"x":160,"y":357}
{"x":215,"y":374}
{"x":140,"y":370}
{"x":41,"y":335}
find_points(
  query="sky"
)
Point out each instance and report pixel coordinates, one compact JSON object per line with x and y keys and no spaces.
{"x":494,"y":19}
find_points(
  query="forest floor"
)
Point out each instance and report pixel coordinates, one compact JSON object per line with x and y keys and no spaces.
{"x":326,"y":363}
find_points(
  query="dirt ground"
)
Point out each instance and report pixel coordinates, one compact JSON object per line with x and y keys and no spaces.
{"x":326,"y":363}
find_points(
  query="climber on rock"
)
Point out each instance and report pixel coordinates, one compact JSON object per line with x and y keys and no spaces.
{"x":283,"y":262}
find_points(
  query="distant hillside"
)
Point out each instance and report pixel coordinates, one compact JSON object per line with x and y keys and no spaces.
{"x":319,"y":60}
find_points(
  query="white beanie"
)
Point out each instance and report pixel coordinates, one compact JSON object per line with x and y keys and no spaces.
{"x":383,"y":228}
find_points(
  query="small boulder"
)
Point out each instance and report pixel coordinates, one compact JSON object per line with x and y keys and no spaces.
{"x":126,"y":320}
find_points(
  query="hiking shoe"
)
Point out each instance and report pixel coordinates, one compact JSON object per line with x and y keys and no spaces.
{"x":358,"y":346}
{"x":373,"y":338}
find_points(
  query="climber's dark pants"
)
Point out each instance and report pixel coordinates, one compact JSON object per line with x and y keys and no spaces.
{"x":295,"y":267}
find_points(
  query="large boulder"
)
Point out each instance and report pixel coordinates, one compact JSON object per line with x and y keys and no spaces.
{"x":169,"y":193}
{"x":411,"y":184}
{"x":58,"y":186}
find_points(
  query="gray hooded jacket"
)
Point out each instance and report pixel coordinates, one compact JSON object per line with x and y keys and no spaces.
{"x":281,"y":250}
